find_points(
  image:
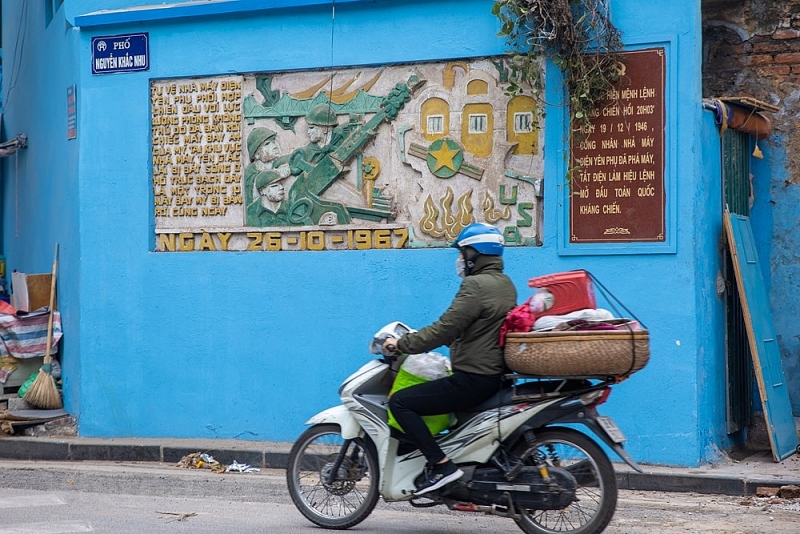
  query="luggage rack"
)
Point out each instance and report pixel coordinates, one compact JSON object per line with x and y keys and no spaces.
{"x":534,"y":387}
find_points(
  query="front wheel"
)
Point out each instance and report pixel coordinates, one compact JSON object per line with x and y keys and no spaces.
{"x":596,"y":493}
{"x":337,"y":502}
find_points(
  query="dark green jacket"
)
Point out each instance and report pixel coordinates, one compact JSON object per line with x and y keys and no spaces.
{"x":471,"y":325}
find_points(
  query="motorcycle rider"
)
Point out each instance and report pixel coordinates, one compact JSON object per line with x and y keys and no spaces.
{"x":470,"y":327}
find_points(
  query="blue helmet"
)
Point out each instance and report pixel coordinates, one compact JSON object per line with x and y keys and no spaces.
{"x":484,"y":238}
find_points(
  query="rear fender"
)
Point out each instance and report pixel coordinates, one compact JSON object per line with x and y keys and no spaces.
{"x":573,"y":413}
{"x":338,"y":415}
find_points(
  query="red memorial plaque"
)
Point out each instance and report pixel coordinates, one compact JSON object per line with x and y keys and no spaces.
{"x":617,"y":161}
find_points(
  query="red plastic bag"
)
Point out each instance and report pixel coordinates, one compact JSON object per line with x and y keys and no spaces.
{"x":520,"y":319}
{"x":7,"y":309}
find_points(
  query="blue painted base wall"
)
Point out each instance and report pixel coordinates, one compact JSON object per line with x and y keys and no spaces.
{"x":249,"y":345}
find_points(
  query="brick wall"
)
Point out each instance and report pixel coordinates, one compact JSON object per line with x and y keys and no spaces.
{"x":752,"y":47}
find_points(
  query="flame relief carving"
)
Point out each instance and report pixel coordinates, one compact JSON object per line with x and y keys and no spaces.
{"x":441,"y":222}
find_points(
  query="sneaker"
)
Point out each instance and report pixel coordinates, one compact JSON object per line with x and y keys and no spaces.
{"x":437,"y":476}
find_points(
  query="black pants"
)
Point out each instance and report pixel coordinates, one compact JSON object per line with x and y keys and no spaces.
{"x":457,"y":392}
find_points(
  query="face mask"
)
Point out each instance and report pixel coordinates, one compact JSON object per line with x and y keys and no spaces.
{"x":461,"y":268}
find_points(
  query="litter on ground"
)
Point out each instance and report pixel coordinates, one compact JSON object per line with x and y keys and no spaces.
{"x":236,"y":467}
{"x":198,"y":460}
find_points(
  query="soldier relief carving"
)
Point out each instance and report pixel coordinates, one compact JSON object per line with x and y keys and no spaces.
{"x":395,"y":157}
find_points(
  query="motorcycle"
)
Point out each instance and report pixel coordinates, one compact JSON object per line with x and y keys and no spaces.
{"x":521,"y":455}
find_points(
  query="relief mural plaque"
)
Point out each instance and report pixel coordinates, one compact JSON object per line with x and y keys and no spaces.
{"x":402,"y":156}
{"x":617,"y":161}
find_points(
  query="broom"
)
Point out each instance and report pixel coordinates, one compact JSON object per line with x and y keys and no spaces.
{"x":43,"y":393}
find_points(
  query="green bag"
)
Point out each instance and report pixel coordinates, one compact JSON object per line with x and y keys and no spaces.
{"x":26,"y":385}
{"x":435,"y":423}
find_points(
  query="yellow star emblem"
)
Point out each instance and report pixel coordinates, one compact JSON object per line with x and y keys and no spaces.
{"x":444,"y":157}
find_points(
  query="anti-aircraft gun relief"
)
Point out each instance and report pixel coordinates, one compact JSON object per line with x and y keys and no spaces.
{"x":324,"y":160}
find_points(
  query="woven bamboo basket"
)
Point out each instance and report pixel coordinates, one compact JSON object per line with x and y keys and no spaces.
{"x":578,"y":354}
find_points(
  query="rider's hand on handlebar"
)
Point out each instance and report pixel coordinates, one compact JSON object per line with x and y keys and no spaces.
{"x":390,"y":346}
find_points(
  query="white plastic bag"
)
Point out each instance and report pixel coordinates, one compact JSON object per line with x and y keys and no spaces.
{"x":428,"y":365}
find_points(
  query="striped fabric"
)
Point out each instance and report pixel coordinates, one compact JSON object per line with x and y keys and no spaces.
{"x":26,"y":337}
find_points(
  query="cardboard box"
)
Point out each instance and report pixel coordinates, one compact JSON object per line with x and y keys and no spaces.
{"x":30,"y":291}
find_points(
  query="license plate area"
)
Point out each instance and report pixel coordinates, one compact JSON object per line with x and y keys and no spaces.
{"x":611,"y":428}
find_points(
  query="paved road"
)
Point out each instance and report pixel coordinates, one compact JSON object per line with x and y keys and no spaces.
{"x":55,"y":498}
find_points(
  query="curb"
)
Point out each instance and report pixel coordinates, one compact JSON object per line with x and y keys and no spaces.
{"x":740,"y":480}
{"x":264,"y":455}
{"x":706,"y":484}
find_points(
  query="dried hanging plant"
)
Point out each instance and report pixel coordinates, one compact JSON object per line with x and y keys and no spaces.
{"x":577,"y":35}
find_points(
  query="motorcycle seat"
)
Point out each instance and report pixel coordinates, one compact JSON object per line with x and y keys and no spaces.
{"x":526,"y":391}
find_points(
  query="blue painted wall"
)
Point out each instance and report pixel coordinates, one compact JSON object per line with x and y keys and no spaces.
{"x":249,"y":345}
{"x":41,"y":191}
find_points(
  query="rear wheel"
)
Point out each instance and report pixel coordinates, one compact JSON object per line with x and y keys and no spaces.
{"x":350,"y":496}
{"x":596,"y":494}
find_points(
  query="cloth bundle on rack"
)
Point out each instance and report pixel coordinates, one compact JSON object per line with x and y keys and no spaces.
{"x":549,"y":322}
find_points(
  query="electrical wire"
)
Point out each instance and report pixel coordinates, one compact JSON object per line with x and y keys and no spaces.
{"x":333,"y":21}
{"x":9,"y":148}
{"x":19,"y":46}
{"x":16,"y":194}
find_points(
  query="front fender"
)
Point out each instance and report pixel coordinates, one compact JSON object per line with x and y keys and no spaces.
{"x":338,"y":415}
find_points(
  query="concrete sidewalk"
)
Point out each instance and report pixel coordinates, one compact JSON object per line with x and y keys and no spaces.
{"x":728,"y":478}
